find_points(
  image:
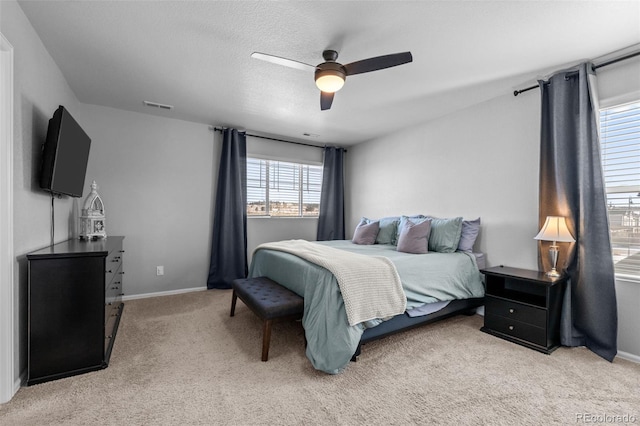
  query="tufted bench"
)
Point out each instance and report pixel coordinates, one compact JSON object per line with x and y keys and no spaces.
{"x":269,"y":301}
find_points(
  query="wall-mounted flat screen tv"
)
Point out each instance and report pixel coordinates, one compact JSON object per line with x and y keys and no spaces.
{"x":65,"y":155}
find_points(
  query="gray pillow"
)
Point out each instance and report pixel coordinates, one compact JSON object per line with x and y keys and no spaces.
{"x":470,"y":230}
{"x":414,"y":237}
{"x":445,"y":234}
{"x":366,"y":233}
{"x":388,"y":230}
{"x":415,"y":219}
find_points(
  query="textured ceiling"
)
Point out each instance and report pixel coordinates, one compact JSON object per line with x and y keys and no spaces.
{"x":195,"y":55}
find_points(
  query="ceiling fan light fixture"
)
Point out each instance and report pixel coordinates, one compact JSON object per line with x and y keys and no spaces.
{"x":330,"y":81}
{"x":330,"y":75}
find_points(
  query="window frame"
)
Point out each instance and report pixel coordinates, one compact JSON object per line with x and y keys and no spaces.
{"x":302,"y":169}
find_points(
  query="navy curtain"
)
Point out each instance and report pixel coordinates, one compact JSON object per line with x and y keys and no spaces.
{"x":572,"y":185}
{"x":331,"y":217}
{"x":229,"y":242}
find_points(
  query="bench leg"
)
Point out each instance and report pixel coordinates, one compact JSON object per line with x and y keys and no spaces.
{"x":234,"y":298}
{"x":266,"y":339}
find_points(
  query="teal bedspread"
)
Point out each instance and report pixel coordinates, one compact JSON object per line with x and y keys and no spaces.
{"x":331,"y":342}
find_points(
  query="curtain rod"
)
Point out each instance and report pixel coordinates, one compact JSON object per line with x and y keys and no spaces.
{"x":595,"y":67}
{"x":219,"y":129}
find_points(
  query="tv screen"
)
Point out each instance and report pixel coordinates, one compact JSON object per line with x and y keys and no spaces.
{"x":65,"y":155}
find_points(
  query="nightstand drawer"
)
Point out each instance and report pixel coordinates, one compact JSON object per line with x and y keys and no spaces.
{"x":517,"y":329}
{"x":516,"y":311}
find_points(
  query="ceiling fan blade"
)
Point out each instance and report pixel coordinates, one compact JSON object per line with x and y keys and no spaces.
{"x":283,"y":61}
{"x":378,"y":63}
{"x":326,"y":99}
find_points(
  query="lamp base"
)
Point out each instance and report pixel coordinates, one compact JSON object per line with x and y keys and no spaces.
{"x":553,"y":256}
{"x":553,"y":273}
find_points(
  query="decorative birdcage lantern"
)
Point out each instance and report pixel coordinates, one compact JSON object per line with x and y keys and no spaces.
{"x":92,"y":220}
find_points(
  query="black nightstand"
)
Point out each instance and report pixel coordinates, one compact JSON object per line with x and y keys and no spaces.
{"x":524,"y":307}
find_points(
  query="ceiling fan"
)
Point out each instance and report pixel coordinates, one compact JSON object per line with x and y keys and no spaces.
{"x":330,"y":75}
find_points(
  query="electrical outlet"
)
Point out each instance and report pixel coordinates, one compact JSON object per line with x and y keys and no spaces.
{"x":159,"y":270}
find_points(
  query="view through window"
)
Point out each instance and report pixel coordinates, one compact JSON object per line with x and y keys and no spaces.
{"x":620,"y":145}
{"x":278,"y":188}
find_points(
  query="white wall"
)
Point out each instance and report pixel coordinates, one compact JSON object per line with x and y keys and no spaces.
{"x":156,"y":177}
{"x":628,"y":295}
{"x":263,"y":230}
{"x":480,"y":161}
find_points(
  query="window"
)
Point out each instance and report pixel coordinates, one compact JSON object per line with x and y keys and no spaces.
{"x":278,"y":188}
{"x":620,"y":144}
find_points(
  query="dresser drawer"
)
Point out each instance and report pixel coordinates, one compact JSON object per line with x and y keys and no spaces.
{"x":112,"y":264}
{"x":516,"y":311}
{"x":110,"y":310}
{"x":114,"y":289}
{"x":517,"y":329}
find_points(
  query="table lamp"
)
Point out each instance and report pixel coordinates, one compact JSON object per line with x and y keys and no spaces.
{"x":554,"y":229}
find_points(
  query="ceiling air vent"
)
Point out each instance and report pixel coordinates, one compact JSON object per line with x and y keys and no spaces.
{"x":157,"y":105}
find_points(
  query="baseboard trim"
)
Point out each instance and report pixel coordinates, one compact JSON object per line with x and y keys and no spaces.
{"x":162,"y":293}
{"x":628,"y":356}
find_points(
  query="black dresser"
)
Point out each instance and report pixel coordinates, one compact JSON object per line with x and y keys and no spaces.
{"x":75,"y":305}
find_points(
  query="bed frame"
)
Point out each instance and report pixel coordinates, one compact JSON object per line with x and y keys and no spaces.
{"x":404,"y":322}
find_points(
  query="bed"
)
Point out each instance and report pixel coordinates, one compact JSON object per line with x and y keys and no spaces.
{"x":449,"y":279}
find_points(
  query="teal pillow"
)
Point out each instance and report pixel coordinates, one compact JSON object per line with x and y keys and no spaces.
{"x":445,"y":234}
{"x":388,"y":230}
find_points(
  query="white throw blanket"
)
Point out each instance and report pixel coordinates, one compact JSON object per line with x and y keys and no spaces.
{"x":370,"y":285}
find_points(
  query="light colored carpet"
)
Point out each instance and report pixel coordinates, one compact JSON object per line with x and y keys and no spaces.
{"x":182,"y":360}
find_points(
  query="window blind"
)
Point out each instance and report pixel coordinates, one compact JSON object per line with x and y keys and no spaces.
{"x":257,"y":187}
{"x":279,"y":188}
{"x":620,"y":145}
{"x":311,"y":189}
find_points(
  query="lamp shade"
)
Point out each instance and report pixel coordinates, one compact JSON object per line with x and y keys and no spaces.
{"x":555,"y":229}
